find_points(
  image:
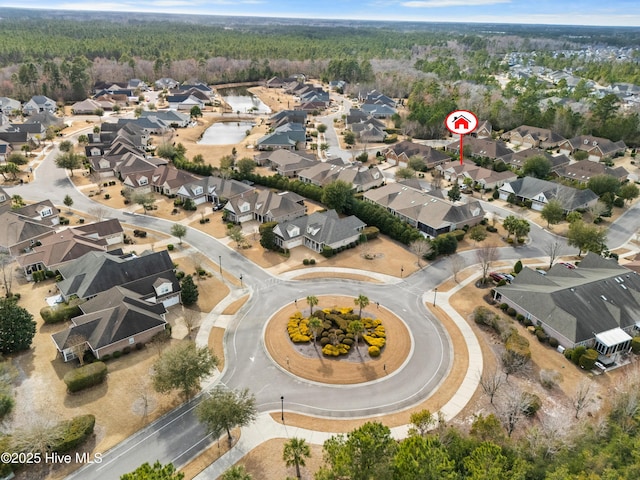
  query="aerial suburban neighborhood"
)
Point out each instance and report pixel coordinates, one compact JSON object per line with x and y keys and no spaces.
{"x":221,"y":268}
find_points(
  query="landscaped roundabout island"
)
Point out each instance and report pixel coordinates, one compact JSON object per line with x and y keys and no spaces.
{"x":337,"y":340}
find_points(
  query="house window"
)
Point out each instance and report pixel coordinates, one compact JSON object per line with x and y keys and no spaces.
{"x":143,"y":181}
{"x":45,"y":212}
{"x":197,"y":191}
{"x":131,"y":341}
{"x":244,"y":207}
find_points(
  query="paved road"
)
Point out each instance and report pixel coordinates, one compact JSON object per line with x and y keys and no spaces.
{"x":177,"y":437}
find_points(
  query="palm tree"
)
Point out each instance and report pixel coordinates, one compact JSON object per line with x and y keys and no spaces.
{"x":312,"y":301}
{"x":357,"y":328}
{"x":362,"y":302}
{"x":315,"y":325}
{"x":295,"y":452}
{"x":237,"y":472}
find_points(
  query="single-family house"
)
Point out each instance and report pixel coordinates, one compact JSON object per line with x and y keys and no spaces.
{"x":480,"y":147}
{"x":483,"y":177}
{"x":18,"y":233}
{"x":171,"y":118}
{"x":360,"y":177}
{"x":43,"y":212}
{"x":184,"y":102}
{"x":54,"y":250}
{"x":539,"y":192}
{"x":583,"y":170}
{"x":166,"y":83}
{"x":8,"y":106}
{"x":285,"y":162}
{"x":265,"y":206}
{"x":529,"y":136}
{"x":483,"y":130}
{"x":318,"y":231}
{"x":400,"y":153}
{"x":213,"y":189}
{"x":289,"y":136}
{"x":596,"y":305}
{"x":597,"y":147}
{"x":519,"y":158}
{"x":430,"y":214}
{"x":113,"y":321}
{"x":151,"y":275}
{"x":39,"y":104}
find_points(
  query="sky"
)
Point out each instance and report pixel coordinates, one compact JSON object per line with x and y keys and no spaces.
{"x":555,"y":12}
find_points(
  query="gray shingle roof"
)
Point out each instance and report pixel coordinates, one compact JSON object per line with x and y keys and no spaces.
{"x":598,"y":296}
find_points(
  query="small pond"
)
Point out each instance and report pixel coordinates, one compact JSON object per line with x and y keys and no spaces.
{"x":225,"y":133}
{"x":241,"y":100}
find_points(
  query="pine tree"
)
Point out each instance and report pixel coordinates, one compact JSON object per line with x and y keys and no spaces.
{"x":189,"y":291}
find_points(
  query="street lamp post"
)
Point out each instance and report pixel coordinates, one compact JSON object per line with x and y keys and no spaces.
{"x":220,"y":263}
{"x":435,"y":292}
{"x":282,"y":407}
{"x":401,"y":271}
{"x":241,"y":286}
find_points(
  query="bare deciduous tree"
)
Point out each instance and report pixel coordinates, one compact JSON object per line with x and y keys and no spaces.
{"x":582,"y":397}
{"x":6,"y":264}
{"x":553,"y":249}
{"x":456,"y":263}
{"x":35,"y":435}
{"x":486,"y":255}
{"x":419,"y":248}
{"x":78,"y":345}
{"x":191,"y":319}
{"x":512,"y":407}
{"x":436,"y":179}
{"x":100,"y":213}
{"x":491,"y":382}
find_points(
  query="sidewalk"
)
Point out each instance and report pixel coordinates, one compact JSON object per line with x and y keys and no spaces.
{"x":265,"y":428}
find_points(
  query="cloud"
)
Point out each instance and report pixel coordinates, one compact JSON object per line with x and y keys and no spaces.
{"x":451,"y":3}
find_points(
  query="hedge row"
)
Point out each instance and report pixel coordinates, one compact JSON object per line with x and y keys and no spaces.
{"x":60,"y":313}
{"x":86,"y":376}
{"x":73,"y":433}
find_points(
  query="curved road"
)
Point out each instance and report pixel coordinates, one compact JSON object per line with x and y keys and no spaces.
{"x":177,"y":437}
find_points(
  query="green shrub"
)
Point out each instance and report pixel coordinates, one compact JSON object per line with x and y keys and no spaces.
{"x":541,"y":336}
{"x":520,"y":317}
{"x":370,"y":232}
{"x":59,"y":313}
{"x":491,"y":229}
{"x":327,"y":252}
{"x":588,"y":360}
{"x":374,"y":351}
{"x":85,"y":377}
{"x":568,"y":353}
{"x":73,"y":433}
{"x":635,"y":344}
{"x":503,"y":306}
{"x":533,"y":405}
{"x":312,"y":261}
{"x":117,"y":354}
{"x":553,"y":342}
{"x":577,"y":353}
{"x":170,"y":247}
{"x":105,"y":357}
{"x":126,"y":350}
{"x":459,"y":234}
{"x":511,"y":312}
{"x":305,"y":261}
{"x":483,"y":316}
{"x":6,"y":404}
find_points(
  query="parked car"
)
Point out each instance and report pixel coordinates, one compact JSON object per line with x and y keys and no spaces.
{"x":570,"y":266}
{"x":540,"y":271}
{"x":218,"y":206}
{"x":497,"y":276}
{"x":508,"y":277}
